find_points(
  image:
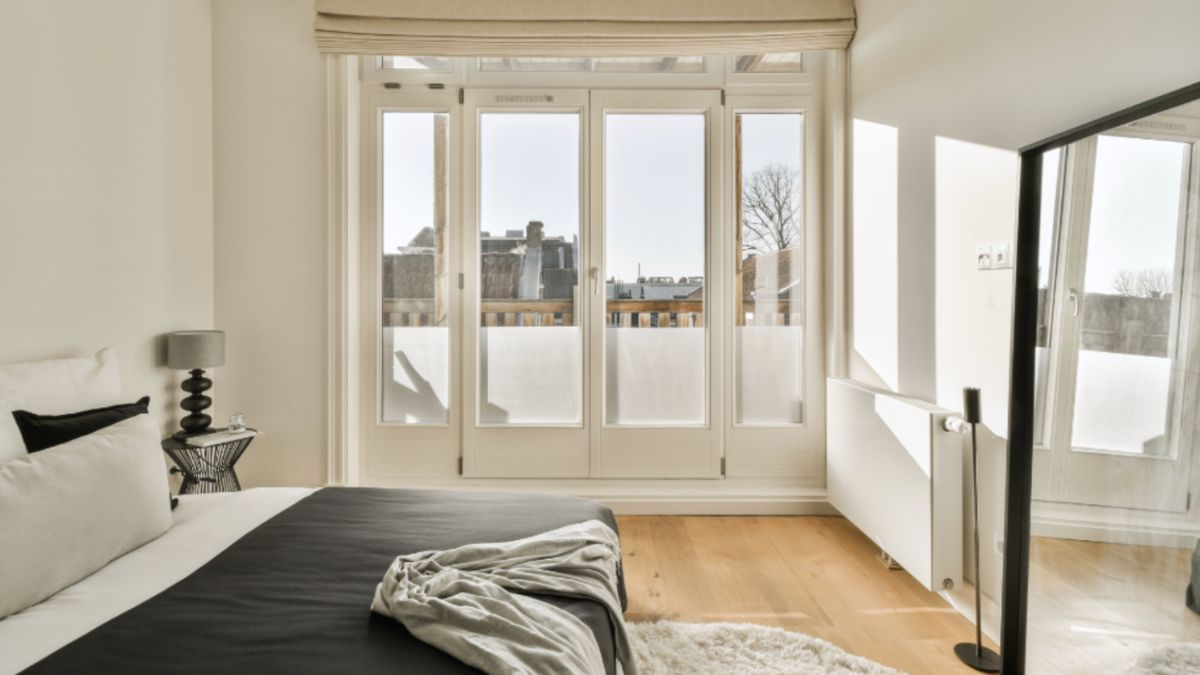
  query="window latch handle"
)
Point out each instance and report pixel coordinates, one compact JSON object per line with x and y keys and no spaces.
{"x":595,"y":272}
{"x":1073,"y":297}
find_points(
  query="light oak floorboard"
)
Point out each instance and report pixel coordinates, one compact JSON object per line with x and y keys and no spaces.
{"x":1095,"y":608}
{"x":810,"y":574}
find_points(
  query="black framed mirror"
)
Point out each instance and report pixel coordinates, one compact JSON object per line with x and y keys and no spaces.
{"x":1104,"y":395}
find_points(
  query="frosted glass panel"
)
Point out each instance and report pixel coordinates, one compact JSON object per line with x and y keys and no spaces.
{"x":655,"y":205}
{"x":416,"y":323}
{"x":530,"y":344}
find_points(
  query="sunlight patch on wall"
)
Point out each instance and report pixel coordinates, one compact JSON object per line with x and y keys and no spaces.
{"x":975,"y":202}
{"x":875,"y":264}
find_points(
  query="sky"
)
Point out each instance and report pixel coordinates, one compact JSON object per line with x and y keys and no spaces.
{"x":1135,"y":208}
{"x":530,"y":170}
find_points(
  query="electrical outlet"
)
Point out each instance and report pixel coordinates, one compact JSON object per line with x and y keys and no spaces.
{"x":1001,"y":256}
{"x":993,"y":256}
{"x":998,"y":543}
{"x":983,"y":256}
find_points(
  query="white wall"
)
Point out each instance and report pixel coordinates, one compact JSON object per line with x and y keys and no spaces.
{"x":106,"y":233}
{"x":269,"y":261}
{"x":964,"y":85}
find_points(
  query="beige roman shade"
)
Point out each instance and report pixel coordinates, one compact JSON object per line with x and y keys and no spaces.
{"x":581,"y":27}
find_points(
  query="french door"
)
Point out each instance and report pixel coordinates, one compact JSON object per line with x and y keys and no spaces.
{"x":524,"y":374}
{"x":589,"y":327}
{"x":1119,"y":405}
{"x":590,"y":284}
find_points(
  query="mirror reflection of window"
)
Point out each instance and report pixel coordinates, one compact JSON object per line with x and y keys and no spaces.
{"x":1117,"y":382}
{"x":1052,"y":177}
{"x":1131,"y":266}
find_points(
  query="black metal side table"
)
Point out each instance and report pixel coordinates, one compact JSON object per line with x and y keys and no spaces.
{"x":206,"y":469}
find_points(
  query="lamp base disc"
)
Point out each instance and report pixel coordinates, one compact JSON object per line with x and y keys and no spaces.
{"x":980,"y":658}
{"x":185,"y":435}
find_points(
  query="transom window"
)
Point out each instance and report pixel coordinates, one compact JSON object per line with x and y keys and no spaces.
{"x":613,"y":64}
{"x":681,"y":70}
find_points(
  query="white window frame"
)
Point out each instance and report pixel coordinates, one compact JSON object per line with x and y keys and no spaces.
{"x":1054,"y":452}
{"x":430,"y":447}
{"x":408,"y":459}
{"x":516,"y":450}
{"x":662,"y":451}
{"x":757,"y":449}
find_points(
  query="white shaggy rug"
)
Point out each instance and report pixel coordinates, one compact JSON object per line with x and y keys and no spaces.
{"x":1180,"y":659}
{"x":672,"y":648}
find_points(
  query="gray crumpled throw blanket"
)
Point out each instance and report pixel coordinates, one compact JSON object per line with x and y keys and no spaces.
{"x":462,"y":601}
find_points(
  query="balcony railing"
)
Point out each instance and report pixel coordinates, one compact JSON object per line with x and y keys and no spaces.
{"x":618,"y":313}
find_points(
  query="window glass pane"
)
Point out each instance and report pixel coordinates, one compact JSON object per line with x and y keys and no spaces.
{"x":530,"y":343}
{"x":539,"y":64}
{"x":613,"y":64}
{"x":770,"y":301}
{"x":1047,"y":238}
{"x":649,"y":64}
{"x":781,"y":62}
{"x":1123,"y":383}
{"x":654,"y":205}
{"x":434,"y":63}
{"x":416,"y":326}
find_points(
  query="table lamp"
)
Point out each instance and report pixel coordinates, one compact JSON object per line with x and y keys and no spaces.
{"x":195,"y":350}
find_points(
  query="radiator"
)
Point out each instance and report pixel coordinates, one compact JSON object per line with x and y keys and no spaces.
{"x":898,"y":476}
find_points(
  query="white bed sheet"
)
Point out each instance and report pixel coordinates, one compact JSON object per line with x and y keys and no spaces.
{"x":203,"y":526}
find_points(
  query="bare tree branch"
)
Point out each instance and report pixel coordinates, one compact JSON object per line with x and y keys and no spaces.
{"x":772,"y":203}
{"x":1144,"y":283}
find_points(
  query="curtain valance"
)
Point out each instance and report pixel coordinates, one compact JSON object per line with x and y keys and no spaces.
{"x":581,"y":27}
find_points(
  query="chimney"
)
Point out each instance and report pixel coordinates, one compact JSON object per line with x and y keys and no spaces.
{"x":533,"y":234}
{"x":530,"y":283}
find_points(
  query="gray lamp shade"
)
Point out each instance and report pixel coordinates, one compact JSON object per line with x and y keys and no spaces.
{"x":191,"y":349}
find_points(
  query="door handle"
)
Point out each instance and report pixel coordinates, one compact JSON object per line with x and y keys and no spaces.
{"x":595,"y":272}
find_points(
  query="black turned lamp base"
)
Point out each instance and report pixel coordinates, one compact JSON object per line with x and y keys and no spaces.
{"x":980,"y":658}
{"x":196,"y":422}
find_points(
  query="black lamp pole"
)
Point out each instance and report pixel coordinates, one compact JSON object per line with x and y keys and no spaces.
{"x":975,"y":654}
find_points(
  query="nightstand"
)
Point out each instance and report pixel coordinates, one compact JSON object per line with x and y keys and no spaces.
{"x":209,"y":468}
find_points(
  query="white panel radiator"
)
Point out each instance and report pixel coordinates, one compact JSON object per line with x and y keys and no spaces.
{"x":898,"y":476}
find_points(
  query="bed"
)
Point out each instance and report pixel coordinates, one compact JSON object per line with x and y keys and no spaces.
{"x":278,"y":579}
{"x":263,"y":580}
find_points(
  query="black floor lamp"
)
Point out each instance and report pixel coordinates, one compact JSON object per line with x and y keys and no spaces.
{"x":974,"y":654}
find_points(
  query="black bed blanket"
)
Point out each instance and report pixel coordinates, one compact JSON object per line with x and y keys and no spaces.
{"x":293,"y":595}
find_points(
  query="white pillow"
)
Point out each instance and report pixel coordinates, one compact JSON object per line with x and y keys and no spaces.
{"x":54,"y":387}
{"x":66,"y":511}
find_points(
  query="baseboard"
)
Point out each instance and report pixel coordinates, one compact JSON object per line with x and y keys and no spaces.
{"x":654,"y":497}
{"x":1113,"y":526}
{"x":735,"y":505}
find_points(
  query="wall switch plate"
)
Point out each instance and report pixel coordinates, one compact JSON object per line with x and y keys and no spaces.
{"x":993,"y":256}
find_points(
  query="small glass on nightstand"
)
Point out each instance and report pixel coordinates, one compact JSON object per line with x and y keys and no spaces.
{"x":206,"y":461}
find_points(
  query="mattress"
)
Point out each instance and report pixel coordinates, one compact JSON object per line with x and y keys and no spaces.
{"x":275,"y":580}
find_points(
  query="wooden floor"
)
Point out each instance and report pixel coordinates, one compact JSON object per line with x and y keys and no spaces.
{"x":1094,"y":608}
{"x":814,"y":575}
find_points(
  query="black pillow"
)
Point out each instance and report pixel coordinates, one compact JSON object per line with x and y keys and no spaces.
{"x":46,"y":431}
